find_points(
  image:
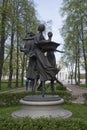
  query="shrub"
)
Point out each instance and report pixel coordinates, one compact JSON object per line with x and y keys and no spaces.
{"x":83,"y":85}
{"x":9,"y":99}
{"x":56,"y":85}
{"x":85,"y":97}
{"x":41,"y":124}
{"x":67,"y":96}
{"x":59,"y":87}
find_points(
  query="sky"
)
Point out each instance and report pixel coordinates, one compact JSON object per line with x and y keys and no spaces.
{"x":50,"y":10}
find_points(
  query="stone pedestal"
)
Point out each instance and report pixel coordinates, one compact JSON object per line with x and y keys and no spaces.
{"x":37,"y":106}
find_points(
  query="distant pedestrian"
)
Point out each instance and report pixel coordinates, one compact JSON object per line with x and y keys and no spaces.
{"x":27,"y":84}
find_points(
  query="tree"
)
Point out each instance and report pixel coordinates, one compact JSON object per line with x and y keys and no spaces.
{"x":17,"y":17}
{"x":74,"y":32}
{"x":2,"y":34}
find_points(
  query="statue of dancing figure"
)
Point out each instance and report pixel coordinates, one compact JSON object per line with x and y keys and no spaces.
{"x":40,"y":66}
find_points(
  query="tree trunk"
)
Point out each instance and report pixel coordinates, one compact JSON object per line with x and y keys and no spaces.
{"x":84,"y":51}
{"x":11,"y":58}
{"x":2,"y":42}
{"x":23,"y":68}
{"x":76,"y":61}
{"x":17,"y":61}
{"x":76,"y":72}
{"x":78,"y":66}
{"x":72,"y":77}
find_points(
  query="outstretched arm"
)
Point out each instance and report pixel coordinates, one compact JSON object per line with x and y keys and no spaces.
{"x":23,"y":49}
{"x":60,"y":51}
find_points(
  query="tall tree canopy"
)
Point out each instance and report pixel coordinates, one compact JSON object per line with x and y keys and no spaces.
{"x":17,"y":17}
{"x":74,"y":32}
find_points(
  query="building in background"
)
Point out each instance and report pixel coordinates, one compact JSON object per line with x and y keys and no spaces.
{"x":64,"y":75}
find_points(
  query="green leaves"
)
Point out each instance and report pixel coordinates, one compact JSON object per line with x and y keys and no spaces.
{"x":74,"y":32}
{"x":41,"y":124}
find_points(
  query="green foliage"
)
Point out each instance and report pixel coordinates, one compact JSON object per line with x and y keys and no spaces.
{"x":59,"y":90}
{"x":56,"y":86}
{"x":4,"y":85}
{"x":79,"y":111}
{"x":17,"y":17}
{"x":74,"y":34}
{"x":59,"y":87}
{"x":85,"y":97}
{"x":6,"y":111}
{"x":83,"y":85}
{"x":7,"y":99}
{"x":41,"y":124}
{"x":67,"y":96}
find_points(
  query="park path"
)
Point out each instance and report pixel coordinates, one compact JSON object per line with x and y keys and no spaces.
{"x":23,"y":89}
{"x":77,"y":92}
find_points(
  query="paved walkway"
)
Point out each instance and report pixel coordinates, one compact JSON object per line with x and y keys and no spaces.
{"x":23,"y":89}
{"x":77,"y":92}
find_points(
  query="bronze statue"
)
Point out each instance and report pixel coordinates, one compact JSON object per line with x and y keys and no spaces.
{"x":40,"y":66}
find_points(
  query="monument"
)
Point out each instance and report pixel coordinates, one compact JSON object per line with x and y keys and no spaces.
{"x":42,"y":67}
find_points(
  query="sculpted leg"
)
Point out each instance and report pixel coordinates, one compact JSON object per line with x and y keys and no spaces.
{"x":52,"y":87}
{"x":43,"y":88}
{"x":59,"y":82}
{"x":34,"y":83}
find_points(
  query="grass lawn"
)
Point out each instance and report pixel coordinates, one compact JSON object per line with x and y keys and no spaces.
{"x":78,"y":110}
{"x":83,"y":85}
{"x":7,"y":111}
{"x":4,"y":86}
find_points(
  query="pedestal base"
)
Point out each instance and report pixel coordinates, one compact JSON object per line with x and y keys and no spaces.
{"x":38,"y":106}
